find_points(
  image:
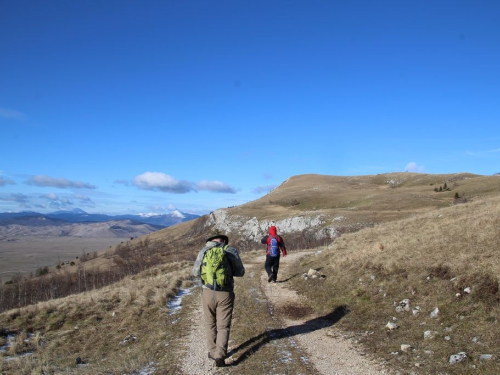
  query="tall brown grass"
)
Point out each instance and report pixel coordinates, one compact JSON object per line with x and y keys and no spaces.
{"x":429,"y":259}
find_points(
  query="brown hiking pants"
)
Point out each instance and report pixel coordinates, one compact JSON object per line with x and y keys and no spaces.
{"x":218,"y":311}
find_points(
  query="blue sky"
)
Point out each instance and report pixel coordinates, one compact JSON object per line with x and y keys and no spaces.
{"x":147,"y":106}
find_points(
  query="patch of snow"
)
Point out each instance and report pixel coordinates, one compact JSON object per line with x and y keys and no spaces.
{"x":175,"y":304}
{"x":148,"y":370}
{"x":149,"y":214}
{"x":10,"y":339}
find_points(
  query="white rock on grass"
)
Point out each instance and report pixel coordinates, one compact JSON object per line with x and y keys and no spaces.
{"x":406,"y":348}
{"x":486,"y":357}
{"x":435,"y":313}
{"x":457,"y":358}
{"x":312,"y":272}
{"x":467,"y":290}
{"x":402,"y":306}
{"x":429,"y":335}
{"x":391,"y":326}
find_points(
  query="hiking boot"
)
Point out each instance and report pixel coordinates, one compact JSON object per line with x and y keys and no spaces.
{"x":219,"y":362}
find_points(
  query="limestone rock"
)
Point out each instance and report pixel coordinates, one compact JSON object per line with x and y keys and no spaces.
{"x":457,"y":358}
{"x":429,"y":335}
{"x":406,"y":348}
{"x":486,"y":357}
{"x":435,"y":313}
{"x":391,"y":326}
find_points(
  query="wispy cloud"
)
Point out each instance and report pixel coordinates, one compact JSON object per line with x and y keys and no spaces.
{"x":55,"y":201}
{"x":12,"y":114}
{"x":82,"y":198}
{"x":158,"y":181}
{"x":215,"y":187}
{"x":482,"y":154}
{"x":17,"y":198}
{"x":414,"y":167}
{"x":61,"y":183}
{"x":263,"y":189}
{"x":4,"y":181}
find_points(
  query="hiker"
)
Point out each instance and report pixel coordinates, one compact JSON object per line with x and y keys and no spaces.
{"x":217,"y":264}
{"x":274,"y":244}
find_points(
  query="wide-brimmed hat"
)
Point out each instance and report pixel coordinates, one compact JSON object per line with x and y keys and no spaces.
{"x":221,"y":236}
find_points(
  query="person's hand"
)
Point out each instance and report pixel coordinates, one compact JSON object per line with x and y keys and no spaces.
{"x":284,"y":255}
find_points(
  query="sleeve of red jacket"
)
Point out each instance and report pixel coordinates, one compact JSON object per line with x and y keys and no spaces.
{"x":282,"y":245}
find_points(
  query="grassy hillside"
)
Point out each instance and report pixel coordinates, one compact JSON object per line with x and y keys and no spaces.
{"x":413,"y":243}
{"x":443,"y":259}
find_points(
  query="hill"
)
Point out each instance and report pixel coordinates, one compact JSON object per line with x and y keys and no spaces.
{"x":391,"y":249}
{"x":78,"y":223}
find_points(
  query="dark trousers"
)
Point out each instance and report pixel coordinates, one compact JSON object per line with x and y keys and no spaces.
{"x":272,"y":265}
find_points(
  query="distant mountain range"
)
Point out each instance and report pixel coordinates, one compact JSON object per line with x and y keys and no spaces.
{"x":82,"y":224}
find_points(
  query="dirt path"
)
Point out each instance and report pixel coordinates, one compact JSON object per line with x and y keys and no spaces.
{"x":324,"y":345}
{"x":196,"y":361}
{"x":326,"y":349}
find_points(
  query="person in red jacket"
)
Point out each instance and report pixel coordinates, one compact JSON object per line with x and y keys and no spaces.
{"x":275,"y":244}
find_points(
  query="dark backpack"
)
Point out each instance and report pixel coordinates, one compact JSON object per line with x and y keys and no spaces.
{"x":274,"y":248}
{"x":215,"y":268}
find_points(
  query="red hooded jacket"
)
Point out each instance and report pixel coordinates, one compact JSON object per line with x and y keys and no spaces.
{"x":267,"y":240}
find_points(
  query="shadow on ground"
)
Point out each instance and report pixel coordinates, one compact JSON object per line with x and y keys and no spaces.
{"x":255,"y":343}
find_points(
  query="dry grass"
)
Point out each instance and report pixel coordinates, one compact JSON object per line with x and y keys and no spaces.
{"x":427,"y":259}
{"x":118,"y":329}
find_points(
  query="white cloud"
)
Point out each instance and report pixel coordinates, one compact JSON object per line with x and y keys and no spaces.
{"x":62,"y":183}
{"x":11,"y":114}
{"x":215,"y":186}
{"x":414,"y":167}
{"x":56,"y":202}
{"x":4,"y":181}
{"x":158,"y":181}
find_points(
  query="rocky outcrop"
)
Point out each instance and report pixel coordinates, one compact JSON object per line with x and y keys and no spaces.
{"x":251,"y":227}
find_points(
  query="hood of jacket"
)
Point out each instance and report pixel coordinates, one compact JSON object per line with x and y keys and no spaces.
{"x":272,"y":231}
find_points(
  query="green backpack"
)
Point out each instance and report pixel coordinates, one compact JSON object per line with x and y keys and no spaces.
{"x":215,"y":267}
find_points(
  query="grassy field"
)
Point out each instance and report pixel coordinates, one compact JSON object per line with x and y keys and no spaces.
{"x":444,"y":260}
{"x":24,"y":255}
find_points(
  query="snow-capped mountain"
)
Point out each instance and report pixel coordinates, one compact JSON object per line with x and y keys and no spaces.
{"x":58,"y":218}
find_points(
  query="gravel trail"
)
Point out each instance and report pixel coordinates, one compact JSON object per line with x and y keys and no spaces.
{"x":196,"y":361}
{"x":326,"y":348}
